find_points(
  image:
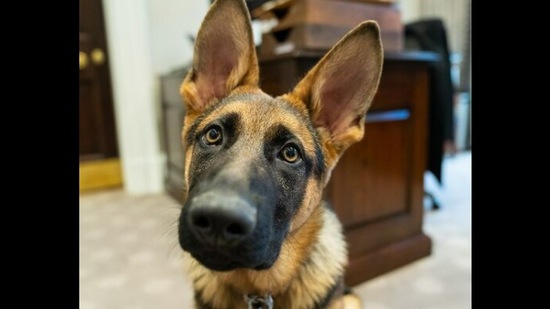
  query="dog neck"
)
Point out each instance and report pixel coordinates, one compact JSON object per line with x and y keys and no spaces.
{"x":302,"y":276}
{"x":259,"y":302}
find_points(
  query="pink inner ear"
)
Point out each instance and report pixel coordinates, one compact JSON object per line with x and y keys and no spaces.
{"x":216,"y":63}
{"x":341,"y":98}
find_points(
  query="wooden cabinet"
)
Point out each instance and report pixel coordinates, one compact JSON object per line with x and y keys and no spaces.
{"x":377,"y":187}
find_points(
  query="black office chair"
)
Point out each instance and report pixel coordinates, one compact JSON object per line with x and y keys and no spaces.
{"x":430,"y":35}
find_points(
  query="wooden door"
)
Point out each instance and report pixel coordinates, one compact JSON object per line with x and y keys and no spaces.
{"x":98,"y":151}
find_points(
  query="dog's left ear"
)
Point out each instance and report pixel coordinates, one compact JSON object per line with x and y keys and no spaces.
{"x":224,"y":56}
{"x":338,"y":91}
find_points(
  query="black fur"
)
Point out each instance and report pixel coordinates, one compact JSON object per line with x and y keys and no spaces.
{"x":273,"y":186}
{"x":337,"y":288}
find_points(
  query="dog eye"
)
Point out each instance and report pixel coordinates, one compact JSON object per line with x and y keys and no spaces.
{"x":290,"y":154}
{"x":213,"y":136}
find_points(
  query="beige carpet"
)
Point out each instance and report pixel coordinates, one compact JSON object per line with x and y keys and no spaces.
{"x":129,"y":256}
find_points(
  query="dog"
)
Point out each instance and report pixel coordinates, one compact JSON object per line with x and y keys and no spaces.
{"x":254,"y":228}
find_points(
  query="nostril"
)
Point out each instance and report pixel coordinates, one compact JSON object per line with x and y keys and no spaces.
{"x":202,"y":222}
{"x":217,"y":221}
{"x":236,"y":229}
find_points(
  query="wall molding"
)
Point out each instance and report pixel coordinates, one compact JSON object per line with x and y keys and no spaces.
{"x":134,"y":96}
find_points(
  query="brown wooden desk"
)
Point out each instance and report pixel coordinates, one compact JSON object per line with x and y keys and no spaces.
{"x":377,"y":187}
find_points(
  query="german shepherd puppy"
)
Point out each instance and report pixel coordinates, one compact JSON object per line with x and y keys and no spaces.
{"x":254,"y":228}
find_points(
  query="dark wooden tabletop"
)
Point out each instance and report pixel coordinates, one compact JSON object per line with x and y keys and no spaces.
{"x":420,"y":56}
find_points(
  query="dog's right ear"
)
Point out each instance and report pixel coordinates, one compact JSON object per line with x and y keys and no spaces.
{"x":224,"y":56}
{"x":339,"y":89}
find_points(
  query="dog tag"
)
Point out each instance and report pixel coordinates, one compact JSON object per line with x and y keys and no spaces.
{"x":258,"y":302}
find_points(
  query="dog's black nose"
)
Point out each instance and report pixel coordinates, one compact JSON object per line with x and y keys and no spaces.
{"x":217,"y":219}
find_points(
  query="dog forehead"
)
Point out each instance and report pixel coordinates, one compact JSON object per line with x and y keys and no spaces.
{"x":259,"y":114}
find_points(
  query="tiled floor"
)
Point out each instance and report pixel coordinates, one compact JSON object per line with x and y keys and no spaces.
{"x":129,"y":256}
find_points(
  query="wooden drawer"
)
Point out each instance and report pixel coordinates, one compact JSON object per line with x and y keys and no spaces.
{"x":319,"y":24}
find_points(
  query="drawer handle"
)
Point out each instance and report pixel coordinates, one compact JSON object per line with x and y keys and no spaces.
{"x":394,"y":115}
{"x":98,"y":57}
{"x":82,"y":60}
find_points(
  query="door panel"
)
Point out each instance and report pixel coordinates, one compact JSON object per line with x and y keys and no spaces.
{"x":97,"y":127}
{"x":98,"y":153}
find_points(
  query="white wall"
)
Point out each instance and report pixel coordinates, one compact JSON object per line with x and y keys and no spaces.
{"x":170,"y":22}
{"x":410,"y":10}
{"x":129,"y":51}
{"x":146,"y":38}
{"x":453,"y":14}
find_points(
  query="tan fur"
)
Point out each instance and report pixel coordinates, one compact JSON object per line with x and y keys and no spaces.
{"x":304,"y":229}
{"x":351,"y":301}
{"x":292,"y":284}
{"x":314,"y":253}
{"x":257,"y":121}
{"x":215,"y":24}
{"x":362,"y":40}
{"x":312,"y":199}
{"x":259,"y":118}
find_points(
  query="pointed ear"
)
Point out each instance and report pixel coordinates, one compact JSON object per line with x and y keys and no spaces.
{"x":338,"y":91}
{"x":224,"y":56}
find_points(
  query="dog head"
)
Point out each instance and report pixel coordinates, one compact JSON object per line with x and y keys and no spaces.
{"x":255,"y":165}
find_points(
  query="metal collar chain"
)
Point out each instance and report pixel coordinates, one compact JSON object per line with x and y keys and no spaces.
{"x":259,"y":302}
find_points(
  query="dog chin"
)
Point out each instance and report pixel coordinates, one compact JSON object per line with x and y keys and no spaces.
{"x":218,"y":262}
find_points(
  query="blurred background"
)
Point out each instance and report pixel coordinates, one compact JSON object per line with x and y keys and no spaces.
{"x":403,"y":193}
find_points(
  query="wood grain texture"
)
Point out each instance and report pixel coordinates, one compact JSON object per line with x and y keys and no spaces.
{"x":99,"y":174}
{"x":97,"y":131}
{"x":387,"y":258}
{"x":319,"y":24}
